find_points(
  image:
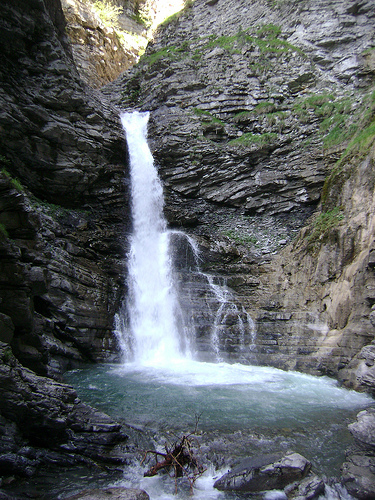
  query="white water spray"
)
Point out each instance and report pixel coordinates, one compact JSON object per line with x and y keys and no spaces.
{"x":153,"y":306}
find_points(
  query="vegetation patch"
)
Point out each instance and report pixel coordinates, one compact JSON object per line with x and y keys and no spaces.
{"x":241,"y":238}
{"x":250,"y":139}
{"x":171,"y":52}
{"x":14,"y":181}
{"x":264,"y":107}
{"x":265,"y":38}
{"x":362,"y":132}
{"x":3,"y":232}
{"x":323,"y":225}
{"x":108,"y":12}
{"x":338,"y":119}
{"x":207,"y":117}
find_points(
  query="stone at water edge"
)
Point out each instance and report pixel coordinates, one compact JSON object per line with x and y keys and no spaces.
{"x":358,"y":470}
{"x":268,"y":472}
{"x":112,"y":493}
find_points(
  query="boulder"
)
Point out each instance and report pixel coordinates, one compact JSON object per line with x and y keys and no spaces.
{"x":358,"y":472}
{"x":113,"y":493}
{"x":267,"y":472}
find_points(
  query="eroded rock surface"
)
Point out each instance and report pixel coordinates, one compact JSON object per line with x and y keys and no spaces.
{"x":263,"y":473}
{"x":64,"y":204}
{"x":359,"y":470}
{"x":44,"y":423}
{"x":239,"y":97}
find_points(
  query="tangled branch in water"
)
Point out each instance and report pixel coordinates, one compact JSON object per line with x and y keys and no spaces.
{"x":178,"y":458}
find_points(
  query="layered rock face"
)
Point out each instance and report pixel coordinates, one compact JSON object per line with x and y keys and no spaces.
{"x":63,"y":198}
{"x":228,"y":84}
{"x":63,"y":217}
{"x":44,"y":423}
{"x":97,"y":50}
{"x":252,"y":106}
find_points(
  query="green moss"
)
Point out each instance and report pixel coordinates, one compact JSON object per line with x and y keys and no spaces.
{"x":240,"y":238}
{"x":3,"y":232}
{"x":323,"y":225}
{"x":264,"y":107}
{"x":249,"y":139}
{"x":338,"y":119}
{"x":269,"y":31}
{"x":15,"y":182}
{"x":361,"y":132}
{"x":207,"y":117}
{"x":265,"y":38}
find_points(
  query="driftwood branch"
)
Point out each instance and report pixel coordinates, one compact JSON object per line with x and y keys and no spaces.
{"x":178,"y":458}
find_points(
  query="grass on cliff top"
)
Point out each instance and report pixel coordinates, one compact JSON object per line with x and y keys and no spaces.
{"x":266,"y":38}
{"x":357,"y":147}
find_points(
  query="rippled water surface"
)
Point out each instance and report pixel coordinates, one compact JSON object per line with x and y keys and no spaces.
{"x":244,"y":410}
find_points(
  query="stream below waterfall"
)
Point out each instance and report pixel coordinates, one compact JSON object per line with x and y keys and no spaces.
{"x":243,"y":411}
{"x":162,"y":393}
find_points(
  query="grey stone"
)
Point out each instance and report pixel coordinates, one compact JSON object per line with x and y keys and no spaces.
{"x":114,"y":493}
{"x":265,"y":473}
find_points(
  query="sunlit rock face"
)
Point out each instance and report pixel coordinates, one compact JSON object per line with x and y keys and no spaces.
{"x":98,"y":52}
{"x":241,"y":130}
{"x":107,"y":38}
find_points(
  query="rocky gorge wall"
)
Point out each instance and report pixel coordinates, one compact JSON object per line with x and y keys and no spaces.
{"x":252,"y":106}
{"x":63,"y":198}
{"x":252,"y":110}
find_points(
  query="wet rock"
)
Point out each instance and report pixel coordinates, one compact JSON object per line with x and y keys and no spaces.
{"x":48,"y":415}
{"x":265,"y":473}
{"x":309,"y":488}
{"x":358,"y":471}
{"x":114,"y":493}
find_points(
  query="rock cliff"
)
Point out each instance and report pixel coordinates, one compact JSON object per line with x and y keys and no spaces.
{"x":262,"y":124}
{"x":253,"y":107}
{"x":63,"y":198}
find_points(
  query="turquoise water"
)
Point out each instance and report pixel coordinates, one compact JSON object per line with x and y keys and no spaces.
{"x":243,"y":411}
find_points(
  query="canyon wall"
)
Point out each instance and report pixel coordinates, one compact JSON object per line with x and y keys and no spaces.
{"x":64,"y":201}
{"x":262,"y":128}
{"x":253,"y":107}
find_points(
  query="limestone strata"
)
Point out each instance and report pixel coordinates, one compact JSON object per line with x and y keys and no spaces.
{"x":49,"y":416}
{"x":226,"y":83}
{"x":63,"y":204}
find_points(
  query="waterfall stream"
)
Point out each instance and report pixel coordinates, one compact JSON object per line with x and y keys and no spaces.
{"x":161,"y":386}
{"x":156,"y":335}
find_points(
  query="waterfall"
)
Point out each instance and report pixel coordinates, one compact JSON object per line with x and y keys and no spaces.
{"x":155,"y":330}
{"x":161,"y":319}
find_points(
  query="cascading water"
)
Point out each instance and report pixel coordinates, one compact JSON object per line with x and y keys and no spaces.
{"x":153,"y":310}
{"x":245,"y":410}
